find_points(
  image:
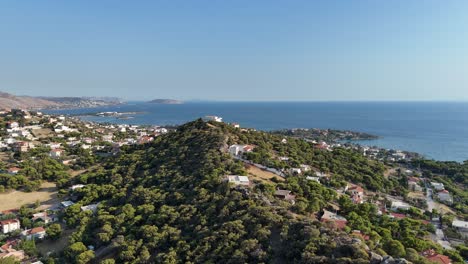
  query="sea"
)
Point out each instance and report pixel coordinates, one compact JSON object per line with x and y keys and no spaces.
{"x":437,"y":130}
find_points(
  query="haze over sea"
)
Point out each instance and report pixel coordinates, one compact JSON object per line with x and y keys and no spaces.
{"x":438,"y":130}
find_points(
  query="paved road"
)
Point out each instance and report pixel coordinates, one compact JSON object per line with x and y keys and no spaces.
{"x":439,"y":235}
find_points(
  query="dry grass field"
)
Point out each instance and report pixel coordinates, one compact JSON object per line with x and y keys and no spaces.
{"x":258,"y":174}
{"x":47,"y":195}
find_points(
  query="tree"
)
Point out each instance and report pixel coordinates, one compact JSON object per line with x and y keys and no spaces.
{"x":85,"y":257}
{"x":395,"y":248}
{"x":54,"y":231}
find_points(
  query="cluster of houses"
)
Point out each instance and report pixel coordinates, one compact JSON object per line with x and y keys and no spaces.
{"x":59,"y":133}
{"x":443,"y":195}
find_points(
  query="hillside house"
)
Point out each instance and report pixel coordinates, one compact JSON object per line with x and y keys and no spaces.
{"x":337,"y":221}
{"x":45,"y":217}
{"x":414,"y":186}
{"x":238,"y":150}
{"x":399,"y":205}
{"x":438,"y":186}
{"x":9,"y":225}
{"x":56,"y":153}
{"x":13,"y":170}
{"x":285,"y":195}
{"x":34,"y":233}
{"x":238,"y":180}
{"x":356,"y":193}
{"x":12,"y":125}
{"x":90,"y":207}
{"x":445,"y":197}
{"x":433,"y":256}
{"x":213,"y":118}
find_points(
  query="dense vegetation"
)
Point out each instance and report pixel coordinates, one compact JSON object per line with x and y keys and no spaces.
{"x":166,"y":202}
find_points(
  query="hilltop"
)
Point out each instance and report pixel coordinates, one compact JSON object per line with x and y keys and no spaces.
{"x":211,"y":192}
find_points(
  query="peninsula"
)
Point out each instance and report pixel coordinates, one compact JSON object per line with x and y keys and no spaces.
{"x":166,"y":101}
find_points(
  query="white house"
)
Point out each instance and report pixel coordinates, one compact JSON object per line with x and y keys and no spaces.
{"x":55,"y":153}
{"x":438,"y":186}
{"x":445,"y":197}
{"x":237,"y":150}
{"x":238,"y":180}
{"x":90,"y":207}
{"x":12,"y":125}
{"x":9,"y":225}
{"x":213,"y":118}
{"x":45,"y":217}
{"x":76,"y":186}
{"x":400,"y":205}
{"x":34,"y":233}
{"x":460,"y":225}
{"x":66,"y":204}
{"x":312,"y":178}
{"x":295,"y":171}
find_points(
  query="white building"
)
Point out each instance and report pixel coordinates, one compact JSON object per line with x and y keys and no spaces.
{"x":9,"y":225}
{"x":213,"y":118}
{"x":460,"y":225}
{"x":34,"y":233}
{"x":237,"y":150}
{"x":438,"y":186}
{"x":55,"y":153}
{"x":445,"y":197}
{"x":400,"y":205}
{"x":238,"y":180}
{"x":312,"y":178}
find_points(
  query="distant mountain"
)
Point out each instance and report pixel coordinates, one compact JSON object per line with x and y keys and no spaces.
{"x":165,"y":101}
{"x":29,"y":102}
{"x":11,"y":101}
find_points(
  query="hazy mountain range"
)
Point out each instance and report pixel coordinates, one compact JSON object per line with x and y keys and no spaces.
{"x":30,"y":102}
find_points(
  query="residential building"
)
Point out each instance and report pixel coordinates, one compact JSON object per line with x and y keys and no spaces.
{"x":433,"y":256}
{"x":445,"y":197}
{"x":238,"y":150}
{"x":438,"y":186}
{"x":13,"y":170}
{"x":213,"y":118}
{"x":238,"y":180}
{"x":399,"y":205}
{"x":461,"y":226}
{"x":55,"y":153}
{"x":285,"y":195}
{"x":45,"y":217}
{"x":337,"y":221}
{"x":34,"y":233}
{"x":9,"y":225}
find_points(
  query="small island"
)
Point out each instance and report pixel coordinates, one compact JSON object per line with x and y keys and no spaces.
{"x":165,"y":101}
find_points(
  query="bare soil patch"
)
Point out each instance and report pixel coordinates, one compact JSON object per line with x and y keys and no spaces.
{"x":46,"y":195}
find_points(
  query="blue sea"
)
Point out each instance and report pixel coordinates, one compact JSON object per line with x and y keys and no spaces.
{"x":438,"y":130}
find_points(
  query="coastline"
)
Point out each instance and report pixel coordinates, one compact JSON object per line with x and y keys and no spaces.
{"x":404,"y":126}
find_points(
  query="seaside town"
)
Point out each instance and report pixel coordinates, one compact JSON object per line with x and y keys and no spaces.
{"x":43,"y":154}
{"x":39,"y":149}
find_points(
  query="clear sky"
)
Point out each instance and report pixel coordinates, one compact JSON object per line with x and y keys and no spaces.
{"x":236,"y":50}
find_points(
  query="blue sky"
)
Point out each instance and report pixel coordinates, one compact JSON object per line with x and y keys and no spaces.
{"x":236,"y":50}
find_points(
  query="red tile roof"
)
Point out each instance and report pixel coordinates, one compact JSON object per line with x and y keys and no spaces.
{"x":399,"y":216}
{"x":36,"y":230}
{"x":433,"y":256}
{"x":9,"y":221}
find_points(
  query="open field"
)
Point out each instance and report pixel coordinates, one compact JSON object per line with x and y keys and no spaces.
{"x":417,"y":195}
{"x":47,"y":195}
{"x":42,"y":132}
{"x":258,"y":174}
